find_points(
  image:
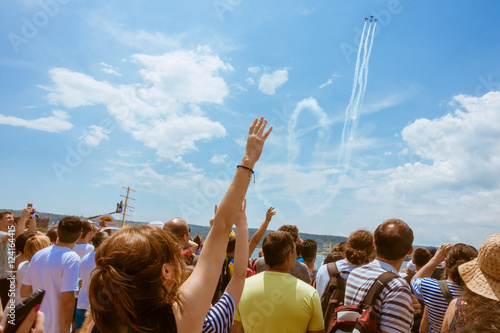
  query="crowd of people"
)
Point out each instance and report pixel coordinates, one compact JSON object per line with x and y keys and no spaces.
{"x":156,"y":278}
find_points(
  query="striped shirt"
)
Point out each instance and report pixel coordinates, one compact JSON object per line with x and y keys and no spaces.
{"x":393,"y":308}
{"x":428,"y":290}
{"x":221,"y":316}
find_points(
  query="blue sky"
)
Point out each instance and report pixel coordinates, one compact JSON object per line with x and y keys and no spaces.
{"x":158,"y":96}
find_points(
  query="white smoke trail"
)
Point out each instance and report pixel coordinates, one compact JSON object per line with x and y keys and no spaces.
{"x":348,"y":110}
{"x":345,"y":149}
{"x":361,"y":96}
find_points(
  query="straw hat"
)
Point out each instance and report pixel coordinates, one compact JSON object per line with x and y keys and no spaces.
{"x":482,"y":275}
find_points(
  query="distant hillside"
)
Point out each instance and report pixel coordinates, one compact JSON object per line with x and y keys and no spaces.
{"x":320,"y":239}
{"x":203,"y":230}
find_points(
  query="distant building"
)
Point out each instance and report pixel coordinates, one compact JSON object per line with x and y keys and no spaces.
{"x":327,"y":247}
{"x":43,"y":223}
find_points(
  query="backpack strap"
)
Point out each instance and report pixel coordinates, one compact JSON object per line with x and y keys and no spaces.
{"x":332,"y":269}
{"x":377,"y":287}
{"x":445,"y":290}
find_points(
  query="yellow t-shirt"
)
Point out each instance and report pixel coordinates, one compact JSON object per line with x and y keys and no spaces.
{"x":279,"y":302}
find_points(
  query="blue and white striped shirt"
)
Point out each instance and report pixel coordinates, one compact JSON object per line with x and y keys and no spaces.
{"x":221,"y":316}
{"x":428,"y":290}
{"x":393,"y":308}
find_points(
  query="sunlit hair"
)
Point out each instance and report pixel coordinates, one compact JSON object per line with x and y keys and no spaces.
{"x":21,"y":240}
{"x":35,"y":244}
{"x":127,"y":284}
{"x":7,"y":212}
{"x":481,"y":313}
{"x":87,"y":227}
{"x":359,"y":247}
{"x":276,"y":246}
{"x":459,"y":254}
{"x":394,"y":239}
{"x":292,"y":229}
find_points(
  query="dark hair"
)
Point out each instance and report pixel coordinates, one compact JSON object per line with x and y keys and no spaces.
{"x":127,"y":282}
{"x":394,"y":239}
{"x":52,"y":234}
{"x":421,"y":256}
{"x":198,"y":240}
{"x":459,"y":254}
{"x":276,"y":246}
{"x":292,"y":229}
{"x":333,"y":257}
{"x":21,"y":240}
{"x":309,"y":249}
{"x":298,"y":249}
{"x":87,"y":227}
{"x":6,"y":212}
{"x":231,"y":244}
{"x":340,"y":247}
{"x":98,"y":238}
{"x":69,"y":229}
{"x":359,"y":247}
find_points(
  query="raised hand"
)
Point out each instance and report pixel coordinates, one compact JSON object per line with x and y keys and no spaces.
{"x":442,"y":252}
{"x":270,"y":213}
{"x":255,"y":141}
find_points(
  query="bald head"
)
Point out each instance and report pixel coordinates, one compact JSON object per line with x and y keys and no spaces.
{"x":179,"y":228}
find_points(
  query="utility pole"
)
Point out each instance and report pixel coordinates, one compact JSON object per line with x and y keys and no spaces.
{"x":126,"y":203}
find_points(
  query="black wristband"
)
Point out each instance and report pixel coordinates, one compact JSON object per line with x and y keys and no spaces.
{"x":250,"y":169}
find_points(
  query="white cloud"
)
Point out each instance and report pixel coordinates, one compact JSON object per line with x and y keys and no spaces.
{"x":55,"y":123}
{"x":109,"y":69}
{"x":127,"y":153}
{"x":94,"y":135}
{"x":218,"y":159}
{"x":254,"y":70}
{"x":250,"y":81}
{"x":141,"y":39}
{"x":454,"y":184}
{"x":186,"y":76}
{"x":268,"y":83}
{"x":163,"y":112}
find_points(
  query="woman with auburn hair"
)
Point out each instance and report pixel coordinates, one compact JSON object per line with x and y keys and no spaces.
{"x":137,"y":282}
{"x":435,"y":294}
{"x":358,"y":250}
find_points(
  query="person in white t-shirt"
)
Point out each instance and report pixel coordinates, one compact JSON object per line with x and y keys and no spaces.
{"x":55,"y":269}
{"x":32,"y":246}
{"x":82,"y":246}
{"x":87,"y":265}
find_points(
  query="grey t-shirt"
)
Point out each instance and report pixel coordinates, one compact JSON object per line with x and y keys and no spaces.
{"x":300,"y":270}
{"x":6,"y":252}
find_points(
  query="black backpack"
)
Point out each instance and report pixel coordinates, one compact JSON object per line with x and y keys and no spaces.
{"x":224,"y":278}
{"x":360,"y":318}
{"x":333,"y":296}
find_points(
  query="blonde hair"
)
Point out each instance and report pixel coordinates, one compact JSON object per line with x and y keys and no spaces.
{"x":35,"y":244}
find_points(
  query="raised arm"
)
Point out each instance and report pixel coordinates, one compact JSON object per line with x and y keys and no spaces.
{"x":237,"y":282}
{"x":438,"y":258}
{"x":259,"y":234}
{"x":21,"y":224}
{"x":197,"y":291}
